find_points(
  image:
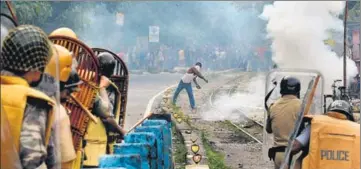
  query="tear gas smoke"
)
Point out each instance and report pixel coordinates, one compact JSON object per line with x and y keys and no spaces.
{"x":298,"y":31}
{"x":196,"y":23}
{"x":249,"y":102}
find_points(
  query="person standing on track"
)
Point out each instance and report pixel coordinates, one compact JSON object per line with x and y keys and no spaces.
{"x":282,"y":118}
{"x":186,"y":83}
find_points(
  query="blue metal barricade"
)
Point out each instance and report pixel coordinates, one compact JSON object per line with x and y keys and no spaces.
{"x":149,"y":146}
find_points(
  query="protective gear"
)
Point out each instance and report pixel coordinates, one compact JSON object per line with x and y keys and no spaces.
{"x":334,"y":143}
{"x":15,"y":88}
{"x":7,"y":23}
{"x":107,"y":64}
{"x":289,"y":107}
{"x":9,"y":155}
{"x":96,"y":143}
{"x":290,"y":85}
{"x":199,"y":64}
{"x":26,"y":48}
{"x":65,"y":60}
{"x":64,"y":32}
{"x":73,"y":81}
{"x":66,"y":142}
{"x":342,"y":107}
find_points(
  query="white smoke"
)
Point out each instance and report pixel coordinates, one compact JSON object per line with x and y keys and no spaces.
{"x":249,"y":101}
{"x":298,"y":30}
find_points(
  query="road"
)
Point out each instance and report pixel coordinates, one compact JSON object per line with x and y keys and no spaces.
{"x":141,"y":89}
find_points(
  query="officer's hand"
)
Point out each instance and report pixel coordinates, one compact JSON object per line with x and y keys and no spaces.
{"x":198,"y":87}
{"x":104,"y":82}
{"x":206,"y":80}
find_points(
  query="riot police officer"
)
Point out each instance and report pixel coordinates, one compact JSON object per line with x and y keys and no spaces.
{"x":25,"y":53}
{"x":103,"y":108}
{"x":48,"y":85}
{"x":282,"y":117}
{"x":334,"y":139}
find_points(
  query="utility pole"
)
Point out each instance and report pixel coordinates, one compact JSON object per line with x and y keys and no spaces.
{"x":344,"y":46}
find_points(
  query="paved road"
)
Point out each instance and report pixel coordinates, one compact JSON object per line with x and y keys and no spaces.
{"x":141,"y":89}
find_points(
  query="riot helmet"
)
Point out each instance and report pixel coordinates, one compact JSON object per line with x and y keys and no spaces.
{"x":343,"y":107}
{"x":290,"y":85}
{"x":65,"y":60}
{"x":107,"y":64}
{"x":64,"y":32}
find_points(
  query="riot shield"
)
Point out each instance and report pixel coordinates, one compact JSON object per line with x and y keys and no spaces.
{"x":120,"y":78}
{"x":81,"y":103}
{"x":311,"y":85}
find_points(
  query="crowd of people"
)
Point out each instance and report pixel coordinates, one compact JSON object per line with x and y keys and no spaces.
{"x":214,"y":57}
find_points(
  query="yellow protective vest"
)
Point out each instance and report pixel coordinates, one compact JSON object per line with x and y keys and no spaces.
{"x":14,"y":94}
{"x":9,"y":155}
{"x":334,"y":144}
{"x":96,"y":146}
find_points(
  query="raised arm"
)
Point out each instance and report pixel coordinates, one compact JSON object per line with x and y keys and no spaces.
{"x":196,"y":72}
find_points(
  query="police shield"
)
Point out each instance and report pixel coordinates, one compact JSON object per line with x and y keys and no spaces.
{"x":7,"y":23}
{"x":311,"y":85}
{"x":82,"y":100}
{"x":120,"y":79}
{"x":54,"y":74}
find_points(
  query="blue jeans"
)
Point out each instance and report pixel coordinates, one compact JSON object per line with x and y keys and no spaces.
{"x":188,"y":87}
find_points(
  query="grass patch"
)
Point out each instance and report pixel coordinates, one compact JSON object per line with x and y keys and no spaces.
{"x":229,"y":125}
{"x":180,"y":154}
{"x":215,"y":159}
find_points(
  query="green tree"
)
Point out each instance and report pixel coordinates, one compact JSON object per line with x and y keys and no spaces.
{"x":354,"y":12}
{"x":34,"y":12}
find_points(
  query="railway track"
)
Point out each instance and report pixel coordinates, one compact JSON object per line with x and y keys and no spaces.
{"x":252,"y":128}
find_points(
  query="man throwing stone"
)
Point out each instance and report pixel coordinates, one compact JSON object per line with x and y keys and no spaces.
{"x":186,"y":83}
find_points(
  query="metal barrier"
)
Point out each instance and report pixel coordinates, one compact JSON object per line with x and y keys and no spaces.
{"x":149,"y":146}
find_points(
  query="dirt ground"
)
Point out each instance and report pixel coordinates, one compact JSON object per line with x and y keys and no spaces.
{"x":238,"y":150}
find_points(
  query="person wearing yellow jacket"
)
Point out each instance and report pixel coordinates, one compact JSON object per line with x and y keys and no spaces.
{"x":25,"y":53}
{"x":96,"y":136}
{"x":331,"y":140}
{"x":75,"y":164}
{"x":48,"y":85}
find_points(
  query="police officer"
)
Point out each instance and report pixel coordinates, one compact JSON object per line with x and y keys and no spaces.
{"x":68,"y":153}
{"x":49,"y":86}
{"x":67,"y":32}
{"x":103,"y":110}
{"x":25,"y":53}
{"x":107,"y":65}
{"x":282,"y":117}
{"x":334,"y":139}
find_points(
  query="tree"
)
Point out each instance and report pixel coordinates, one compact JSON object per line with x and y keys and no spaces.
{"x":34,"y":12}
{"x":354,"y":12}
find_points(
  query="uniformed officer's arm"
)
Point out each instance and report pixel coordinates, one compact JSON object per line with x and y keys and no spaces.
{"x":102,"y":109}
{"x":32,"y":136}
{"x":302,"y":140}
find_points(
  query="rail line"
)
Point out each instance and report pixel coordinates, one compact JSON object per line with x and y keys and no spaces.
{"x":252,"y":128}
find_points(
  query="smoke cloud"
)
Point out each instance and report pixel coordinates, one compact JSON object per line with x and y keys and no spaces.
{"x":249,"y":102}
{"x":195,"y":23}
{"x":298,"y":31}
